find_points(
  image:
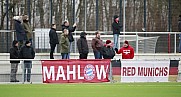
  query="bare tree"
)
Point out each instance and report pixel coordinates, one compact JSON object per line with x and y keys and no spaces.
{"x":41,"y":11}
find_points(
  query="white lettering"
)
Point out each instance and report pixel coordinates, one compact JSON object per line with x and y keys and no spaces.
{"x":79,"y":77}
{"x":51,"y":72}
{"x":101,"y":71}
{"x":60,"y":70}
{"x":71,"y":72}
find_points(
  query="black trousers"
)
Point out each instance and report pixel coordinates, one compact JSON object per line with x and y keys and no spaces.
{"x":52,"y":50}
{"x":83,"y":56}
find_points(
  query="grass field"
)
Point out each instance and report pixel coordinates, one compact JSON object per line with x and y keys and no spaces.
{"x":171,"y":89}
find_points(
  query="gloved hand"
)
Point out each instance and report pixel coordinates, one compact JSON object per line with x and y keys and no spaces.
{"x":116,"y":50}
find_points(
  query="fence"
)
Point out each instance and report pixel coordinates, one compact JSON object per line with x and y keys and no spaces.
{"x":142,"y":42}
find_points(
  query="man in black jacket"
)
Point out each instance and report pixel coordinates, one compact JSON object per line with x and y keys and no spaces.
{"x":14,"y":54}
{"x":70,"y":35}
{"x":53,"y":40}
{"x":116,"y":27}
{"x":83,"y":46}
{"x":27,"y":52}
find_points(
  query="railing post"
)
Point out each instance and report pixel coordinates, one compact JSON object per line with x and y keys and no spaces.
{"x":137,"y":43}
{"x":23,"y":71}
{"x":175,"y":43}
{"x":110,"y":73}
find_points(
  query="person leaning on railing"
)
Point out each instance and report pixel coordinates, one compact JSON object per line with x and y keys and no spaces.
{"x":82,"y":46}
{"x":27,"y":52}
{"x":127,"y":51}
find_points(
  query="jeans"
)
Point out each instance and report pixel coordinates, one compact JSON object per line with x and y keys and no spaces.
{"x":14,"y":68}
{"x":27,"y":67}
{"x":52,"y":50}
{"x":64,"y":55}
{"x":70,"y":49}
{"x":116,"y":37}
{"x":97,"y":55}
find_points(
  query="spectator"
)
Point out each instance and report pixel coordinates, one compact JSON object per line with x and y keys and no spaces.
{"x":82,"y":46}
{"x":20,"y":32}
{"x":53,"y":40}
{"x":27,"y":52}
{"x":27,"y":28}
{"x":70,"y":35}
{"x":64,"y":44}
{"x":96,"y":46}
{"x":179,"y":28}
{"x":107,"y":50}
{"x":116,"y":27}
{"x":14,"y":54}
{"x":127,"y":51}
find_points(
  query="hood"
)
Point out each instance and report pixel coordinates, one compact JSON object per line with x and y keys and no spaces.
{"x":82,"y":34}
{"x":17,"y":18}
{"x":14,"y":43}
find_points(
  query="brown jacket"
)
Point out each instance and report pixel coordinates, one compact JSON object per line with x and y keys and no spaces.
{"x":97,"y":44}
{"x":28,"y":29}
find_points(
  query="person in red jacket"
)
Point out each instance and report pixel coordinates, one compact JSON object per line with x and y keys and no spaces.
{"x":127,"y":51}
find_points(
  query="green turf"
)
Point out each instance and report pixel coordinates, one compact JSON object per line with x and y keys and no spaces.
{"x":92,"y":90}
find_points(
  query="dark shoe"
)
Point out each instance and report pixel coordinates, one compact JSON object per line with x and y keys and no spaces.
{"x":16,"y":80}
{"x":12,"y":81}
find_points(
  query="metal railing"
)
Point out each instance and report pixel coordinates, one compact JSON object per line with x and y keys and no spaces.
{"x":154,"y":42}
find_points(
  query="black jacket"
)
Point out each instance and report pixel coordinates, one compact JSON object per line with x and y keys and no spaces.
{"x":14,"y":54}
{"x":107,"y":52}
{"x":82,"y":45}
{"x":116,"y":27}
{"x":53,"y":36}
{"x":71,"y":29}
{"x":179,"y":24}
{"x":27,"y":52}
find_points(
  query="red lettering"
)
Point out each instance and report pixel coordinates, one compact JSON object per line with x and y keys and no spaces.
{"x":129,"y":71}
{"x":140,"y":71}
{"x":156,"y":71}
{"x":124,"y":71}
{"x":165,"y":71}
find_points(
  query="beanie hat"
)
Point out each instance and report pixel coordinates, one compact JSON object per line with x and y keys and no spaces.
{"x":126,"y":42}
{"x":108,"y":41}
{"x":115,"y":16}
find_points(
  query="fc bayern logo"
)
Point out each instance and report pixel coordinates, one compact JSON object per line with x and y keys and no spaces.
{"x":89,"y":72}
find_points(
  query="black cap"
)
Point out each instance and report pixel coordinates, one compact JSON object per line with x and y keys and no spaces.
{"x":115,"y":16}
